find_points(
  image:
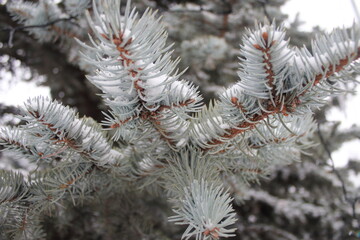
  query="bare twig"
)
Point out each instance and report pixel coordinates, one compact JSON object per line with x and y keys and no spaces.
{"x":350,"y":200}
{"x":263,"y":4}
{"x":12,"y":30}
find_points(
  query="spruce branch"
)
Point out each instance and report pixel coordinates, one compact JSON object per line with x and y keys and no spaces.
{"x":13,"y":187}
{"x":137,"y":76}
{"x":37,"y":21}
{"x":185,"y":167}
{"x":167,"y":139}
{"x":207,"y":211}
{"x":51,"y":121}
{"x":16,"y":140}
{"x":13,"y":30}
{"x":277,"y":81}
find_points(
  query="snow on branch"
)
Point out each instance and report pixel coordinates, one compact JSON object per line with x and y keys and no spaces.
{"x":165,"y":133}
{"x":18,"y":141}
{"x":49,"y":120}
{"x":207,"y":211}
{"x":137,"y":76}
{"x":277,"y":81}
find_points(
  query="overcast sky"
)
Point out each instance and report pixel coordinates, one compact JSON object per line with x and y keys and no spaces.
{"x":329,"y":14}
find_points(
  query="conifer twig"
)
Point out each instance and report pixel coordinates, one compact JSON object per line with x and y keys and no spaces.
{"x":12,"y":30}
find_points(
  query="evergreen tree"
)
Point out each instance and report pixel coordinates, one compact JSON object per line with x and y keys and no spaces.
{"x":160,"y":147}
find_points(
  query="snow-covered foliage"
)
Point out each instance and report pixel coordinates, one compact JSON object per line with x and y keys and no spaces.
{"x":162,"y":138}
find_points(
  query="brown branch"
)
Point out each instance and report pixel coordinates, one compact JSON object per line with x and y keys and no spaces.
{"x":154,"y":116}
{"x":72,"y":181}
{"x":122,"y":122}
{"x":213,"y":232}
{"x":250,"y":170}
{"x":9,"y":200}
{"x":24,"y":221}
{"x":235,"y":101}
{"x":24,"y":148}
{"x":63,"y":32}
{"x":279,"y":108}
{"x":267,"y":60}
{"x":12,"y":142}
{"x":180,"y":104}
{"x":225,"y":25}
{"x":145,"y":114}
{"x":67,"y":141}
{"x":50,"y":126}
{"x":274,"y":140}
